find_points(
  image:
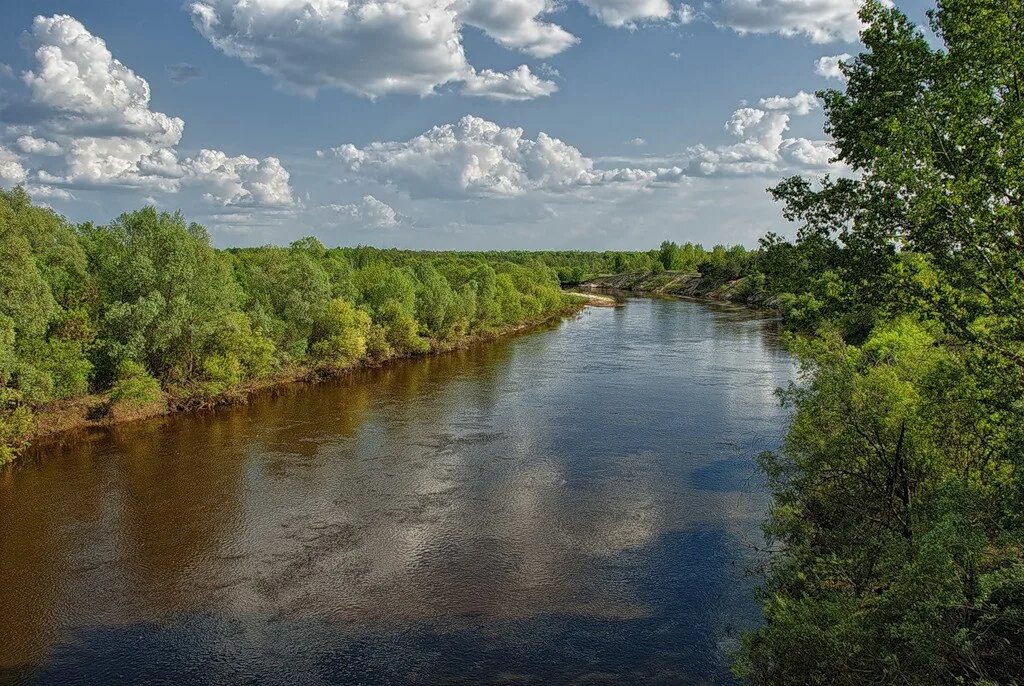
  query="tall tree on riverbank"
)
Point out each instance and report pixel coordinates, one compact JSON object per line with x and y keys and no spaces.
{"x":899,"y":498}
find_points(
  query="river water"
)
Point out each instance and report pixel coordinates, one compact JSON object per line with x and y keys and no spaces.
{"x":578,"y":505}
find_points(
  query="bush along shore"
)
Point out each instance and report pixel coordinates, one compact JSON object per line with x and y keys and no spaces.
{"x":101,"y":324}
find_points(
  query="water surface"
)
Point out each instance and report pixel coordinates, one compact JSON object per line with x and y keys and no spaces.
{"x":573,"y":506}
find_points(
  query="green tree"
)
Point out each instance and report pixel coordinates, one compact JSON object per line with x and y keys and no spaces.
{"x":340,"y":333}
{"x":42,"y":275}
{"x":134,"y":387}
{"x":439,"y":309}
{"x":670,"y":255}
{"x":164,"y":292}
{"x":897,"y":496}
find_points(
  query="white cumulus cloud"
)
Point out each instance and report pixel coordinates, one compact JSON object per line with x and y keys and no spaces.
{"x":476,"y":157}
{"x":763,"y":147}
{"x":517,"y":24}
{"x":93,"y":127}
{"x":822,"y":21}
{"x":808,"y":153}
{"x":240,"y":180}
{"x":368,"y":47}
{"x":369,"y":212}
{"x":517,"y":84}
{"x":38,"y":146}
{"x":801,"y":103}
{"x":93,"y":108}
{"x":628,"y":12}
{"x":828,"y":66}
{"x":11,"y":171}
{"x":378,"y":47}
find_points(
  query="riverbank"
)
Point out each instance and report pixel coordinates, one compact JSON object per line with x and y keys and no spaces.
{"x":683,"y":284}
{"x":61,"y":419}
{"x":595,"y":299}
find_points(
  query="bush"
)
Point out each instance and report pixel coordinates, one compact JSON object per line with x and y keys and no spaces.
{"x":68,"y":367}
{"x":402,"y":329}
{"x":15,"y":424}
{"x":251,"y":351}
{"x":135,"y":387}
{"x":377,"y":346}
{"x":339,"y":335}
{"x":220,"y":373}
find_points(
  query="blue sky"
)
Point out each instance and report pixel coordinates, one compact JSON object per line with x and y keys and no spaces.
{"x":397,"y":122}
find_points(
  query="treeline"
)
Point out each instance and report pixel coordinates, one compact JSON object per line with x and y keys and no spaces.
{"x":146,"y":306}
{"x":897,"y":524}
{"x":577,"y":266}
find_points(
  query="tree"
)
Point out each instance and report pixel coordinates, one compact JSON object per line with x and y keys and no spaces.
{"x":164,"y":292}
{"x":670,"y":255}
{"x":887,"y":569}
{"x":897,"y":495}
{"x":339,"y":336}
{"x":146,"y":308}
{"x":43,"y":288}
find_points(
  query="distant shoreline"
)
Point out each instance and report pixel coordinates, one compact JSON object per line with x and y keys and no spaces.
{"x":680,"y":284}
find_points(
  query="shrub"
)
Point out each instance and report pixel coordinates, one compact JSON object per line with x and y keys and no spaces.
{"x":15,"y":424}
{"x":339,"y":335}
{"x":134,"y":387}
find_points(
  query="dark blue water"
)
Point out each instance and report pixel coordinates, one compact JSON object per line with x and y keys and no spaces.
{"x":574,"y":506}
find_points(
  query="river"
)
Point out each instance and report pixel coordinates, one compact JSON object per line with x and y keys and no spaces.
{"x":577,"y":505}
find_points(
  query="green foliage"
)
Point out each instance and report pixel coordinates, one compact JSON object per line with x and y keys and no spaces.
{"x":897,"y":496}
{"x":146,"y":306}
{"x":44,"y":287}
{"x":65,"y":364}
{"x":164,"y":293}
{"x":238,"y":340}
{"x":725,"y":264}
{"x":380,"y":284}
{"x":16,"y":423}
{"x":134,"y":387}
{"x":401,"y":330}
{"x":340,"y":334}
{"x":439,"y":309}
{"x":487,"y":312}
{"x":25,"y":297}
{"x":669,"y":255}
{"x":8,"y":355}
{"x":240,"y":353}
{"x":883,"y":498}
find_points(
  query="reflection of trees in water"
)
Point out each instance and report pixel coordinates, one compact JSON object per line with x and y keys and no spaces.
{"x":177,"y":491}
{"x":299,"y":417}
{"x":109,"y":530}
{"x":35,"y":554}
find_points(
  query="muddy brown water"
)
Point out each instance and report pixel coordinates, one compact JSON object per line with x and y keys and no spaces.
{"x":577,"y":505}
